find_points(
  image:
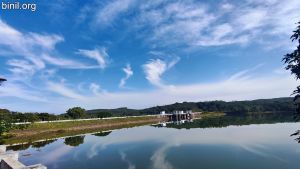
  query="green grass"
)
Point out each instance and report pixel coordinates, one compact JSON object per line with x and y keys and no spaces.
{"x":65,"y":125}
{"x":41,"y":131}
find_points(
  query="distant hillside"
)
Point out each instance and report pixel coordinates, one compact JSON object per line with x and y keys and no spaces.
{"x":261,"y":105}
{"x":123,"y":111}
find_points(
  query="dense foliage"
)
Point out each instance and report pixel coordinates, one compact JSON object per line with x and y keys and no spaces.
{"x":5,"y":121}
{"x":123,"y":111}
{"x":76,"y":112}
{"x":261,"y":105}
{"x":292,"y":60}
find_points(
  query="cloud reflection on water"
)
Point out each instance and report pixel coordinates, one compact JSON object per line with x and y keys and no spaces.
{"x":251,"y":138}
{"x":257,"y":140}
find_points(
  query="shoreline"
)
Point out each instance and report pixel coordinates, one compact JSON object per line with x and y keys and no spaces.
{"x":47,"y":131}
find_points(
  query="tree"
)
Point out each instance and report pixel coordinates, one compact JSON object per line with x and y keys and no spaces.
{"x":293,"y":64}
{"x":47,"y":117}
{"x":76,"y":112}
{"x":5,"y":121}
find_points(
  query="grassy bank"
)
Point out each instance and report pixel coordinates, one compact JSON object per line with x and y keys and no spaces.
{"x":41,"y":131}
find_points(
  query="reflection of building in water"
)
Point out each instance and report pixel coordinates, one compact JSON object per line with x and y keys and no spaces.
{"x":164,"y":124}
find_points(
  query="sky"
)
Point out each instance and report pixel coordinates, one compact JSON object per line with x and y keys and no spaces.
{"x":138,"y":53}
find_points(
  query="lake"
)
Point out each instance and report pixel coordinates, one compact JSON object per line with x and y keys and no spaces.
{"x":220,"y":143}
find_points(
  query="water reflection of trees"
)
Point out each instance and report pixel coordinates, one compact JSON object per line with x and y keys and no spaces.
{"x":74,"y":141}
{"x":18,"y":147}
{"x":41,"y":144}
{"x":71,"y":141}
{"x":38,"y":145}
{"x":246,"y":119}
{"x":102,"y":134}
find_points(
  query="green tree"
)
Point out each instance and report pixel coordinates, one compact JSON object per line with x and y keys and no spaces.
{"x":293,"y":64}
{"x":292,"y":60}
{"x":47,"y":117}
{"x":31,"y":117}
{"x":5,"y":121}
{"x":76,"y":112}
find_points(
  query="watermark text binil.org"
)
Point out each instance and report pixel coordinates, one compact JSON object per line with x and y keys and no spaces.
{"x":18,"y":6}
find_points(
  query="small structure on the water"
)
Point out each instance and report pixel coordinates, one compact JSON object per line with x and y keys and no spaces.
{"x":178,"y":115}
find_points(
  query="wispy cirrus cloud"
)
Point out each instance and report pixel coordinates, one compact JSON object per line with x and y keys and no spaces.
{"x":67,"y":63}
{"x":95,"y":88}
{"x":100,"y":55}
{"x":110,"y":11}
{"x":200,"y":24}
{"x":34,"y":51}
{"x":193,"y":23}
{"x":61,"y":89}
{"x":128,"y":73}
{"x":20,"y":91}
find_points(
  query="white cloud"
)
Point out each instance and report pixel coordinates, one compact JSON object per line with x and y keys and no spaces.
{"x":202,"y":24}
{"x":111,"y":11}
{"x":67,"y":63}
{"x":26,"y":43}
{"x":154,"y":69}
{"x":21,"y":67}
{"x":128,"y":71}
{"x":62,"y":90}
{"x":227,"y":6}
{"x":239,"y":88}
{"x":10,"y":89}
{"x":194,"y":23}
{"x":124,"y":158}
{"x":100,"y":55}
{"x":95,"y":88}
{"x":159,"y":160}
{"x":35,"y":50}
{"x":243,"y":87}
{"x":249,"y":19}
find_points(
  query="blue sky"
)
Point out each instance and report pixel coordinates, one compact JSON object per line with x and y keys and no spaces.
{"x":130,"y":53}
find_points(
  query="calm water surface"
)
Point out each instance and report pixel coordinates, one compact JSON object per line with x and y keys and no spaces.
{"x":259,"y":146}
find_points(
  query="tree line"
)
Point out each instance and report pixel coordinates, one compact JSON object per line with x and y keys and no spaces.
{"x":235,"y":107}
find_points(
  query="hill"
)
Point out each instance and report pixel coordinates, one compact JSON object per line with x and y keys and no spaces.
{"x":284,"y":104}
